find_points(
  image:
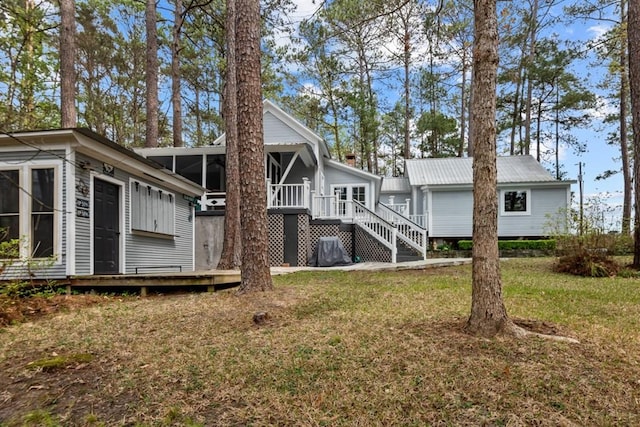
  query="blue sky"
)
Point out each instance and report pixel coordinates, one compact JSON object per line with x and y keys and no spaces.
{"x":599,"y":156}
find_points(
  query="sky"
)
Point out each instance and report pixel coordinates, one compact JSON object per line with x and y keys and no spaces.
{"x":599,"y":155}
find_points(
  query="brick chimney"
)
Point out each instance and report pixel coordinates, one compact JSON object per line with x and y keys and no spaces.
{"x":351,"y":159}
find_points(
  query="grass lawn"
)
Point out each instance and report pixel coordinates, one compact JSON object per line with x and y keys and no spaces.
{"x":339,"y":349}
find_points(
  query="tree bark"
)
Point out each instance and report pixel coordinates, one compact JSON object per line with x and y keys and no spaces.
{"x":532,"y":57}
{"x":255,"y":273}
{"x":633,"y":40}
{"x":151,"y":139}
{"x":68,"y":115}
{"x":231,"y":257}
{"x":176,"y":100}
{"x":624,"y":142}
{"x":488,"y":314}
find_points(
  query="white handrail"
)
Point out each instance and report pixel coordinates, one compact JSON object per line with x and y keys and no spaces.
{"x":385,"y":232}
{"x":409,"y":232}
{"x":288,"y":195}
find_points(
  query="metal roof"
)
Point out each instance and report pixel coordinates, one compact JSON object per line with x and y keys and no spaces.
{"x":459,"y":171}
{"x":395,"y":185}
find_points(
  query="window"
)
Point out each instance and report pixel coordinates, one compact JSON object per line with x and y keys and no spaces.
{"x":152,"y":209}
{"x":9,"y":204}
{"x":216,"y":172}
{"x":347,"y":193}
{"x":190,"y":167}
{"x":165,"y":161}
{"x":515,"y":202}
{"x":28,"y":208}
{"x":42,"y":186}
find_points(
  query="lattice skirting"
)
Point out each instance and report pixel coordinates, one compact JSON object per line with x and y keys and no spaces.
{"x":343,"y":232}
{"x":369,"y":249}
{"x":356,"y":241}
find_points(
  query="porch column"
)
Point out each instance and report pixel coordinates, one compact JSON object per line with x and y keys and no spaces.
{"x":269,"y":202}
{"x":306,"y":188}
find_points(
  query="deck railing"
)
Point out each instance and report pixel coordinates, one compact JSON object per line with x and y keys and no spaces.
{"x":288,"y":195}
{"x":278,"y":196}
{"x":411,"y":233}
{"x":331,"y":207}
{"x":401,"y":208}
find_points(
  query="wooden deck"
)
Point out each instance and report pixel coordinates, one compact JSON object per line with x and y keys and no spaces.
{"x":213,"y":279}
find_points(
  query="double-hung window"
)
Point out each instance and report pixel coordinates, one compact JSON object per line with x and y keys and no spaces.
{"x":28,"y":208}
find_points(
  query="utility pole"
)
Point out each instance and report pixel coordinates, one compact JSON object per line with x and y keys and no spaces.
{"x":581,"y":185}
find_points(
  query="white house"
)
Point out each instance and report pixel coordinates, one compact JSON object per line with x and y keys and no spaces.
{"x":91,"y":206}
{"x":438,"y":194}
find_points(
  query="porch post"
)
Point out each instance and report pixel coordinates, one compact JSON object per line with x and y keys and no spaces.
{"x":408,"y":208}
{"x":269,"y":202}
{"x":391,"y":199}
{"x":306,"y":187}
{"x":394,"y":243}
{"x":314,"y":208}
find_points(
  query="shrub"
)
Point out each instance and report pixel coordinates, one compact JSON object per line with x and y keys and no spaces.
{"x":588,"y":263}
{"x":543,"y":245}
{"x":589,"y":255}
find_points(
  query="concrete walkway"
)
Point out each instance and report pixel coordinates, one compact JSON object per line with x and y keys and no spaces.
{"x":379,"y":266}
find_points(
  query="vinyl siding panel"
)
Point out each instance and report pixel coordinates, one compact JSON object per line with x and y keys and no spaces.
{"x":83,"y":225}
{"x":451,"y":214}
{"x":276,"y":131}
{"x":546,"y":205}
{"x":147,"y":251}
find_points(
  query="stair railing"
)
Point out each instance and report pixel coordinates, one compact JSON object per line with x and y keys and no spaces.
{"x":411,"y":233}
{"x":384,"y":231}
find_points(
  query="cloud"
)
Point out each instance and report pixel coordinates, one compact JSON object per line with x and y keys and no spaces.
{"x":598,"y":30}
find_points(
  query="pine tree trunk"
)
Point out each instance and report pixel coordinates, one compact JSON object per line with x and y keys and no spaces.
{"x":624,"y":141}
{"x":68,"y":115}
{"x":633,"y":35}
{"x":488,"y":314}
{"x":255,"y":275}
{"x":176,"y":100}
{"x":232,"y":245}
{"x":151,"y":139}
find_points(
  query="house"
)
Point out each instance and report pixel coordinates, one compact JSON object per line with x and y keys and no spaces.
{"x":438,"y":194}
{"x":92,"y":207}
{"x":310,"y":195}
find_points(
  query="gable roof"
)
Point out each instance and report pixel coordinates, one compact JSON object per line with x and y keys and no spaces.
{"x":293,"y":125}
{"x":103,"y":149}
{"x":459,"y":171}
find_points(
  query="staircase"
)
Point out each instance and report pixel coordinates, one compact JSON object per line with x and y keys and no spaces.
{"x":412,"y":238}
{"x":405,"y":253}
{"x":406,"y":240}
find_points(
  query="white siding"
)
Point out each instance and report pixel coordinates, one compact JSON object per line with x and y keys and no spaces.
{"x":83,"y":225}
{"x":546,"y":203}
{"x":451,"y":214}
{"x":276,"y":131}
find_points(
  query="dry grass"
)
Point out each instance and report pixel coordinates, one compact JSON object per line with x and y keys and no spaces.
{"x":339,"y":349}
